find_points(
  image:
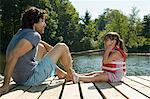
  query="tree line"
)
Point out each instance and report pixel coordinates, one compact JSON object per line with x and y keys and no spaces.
{"x":80,"y":33}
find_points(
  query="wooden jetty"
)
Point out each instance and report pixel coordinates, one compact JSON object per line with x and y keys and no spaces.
{"x":131,"y":87}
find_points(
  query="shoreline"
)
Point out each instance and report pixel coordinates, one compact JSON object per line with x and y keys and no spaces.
{"x":96,"y":52}
{"x":140,"y":54}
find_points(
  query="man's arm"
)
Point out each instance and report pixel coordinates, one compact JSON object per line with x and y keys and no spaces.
{"x":46,"y":45}
{"x":22,"y":48}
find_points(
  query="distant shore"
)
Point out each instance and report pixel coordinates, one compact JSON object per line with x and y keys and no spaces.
{"x":100,"y":51}
{"x":140,"y":54}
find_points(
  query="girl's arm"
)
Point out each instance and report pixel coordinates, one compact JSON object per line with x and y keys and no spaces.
{"x":107,"y":57}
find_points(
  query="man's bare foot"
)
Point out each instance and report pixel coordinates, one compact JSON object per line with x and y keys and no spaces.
{"x":69,"y":76}
{"x":68,"y":79}
{"x":75,"y":77}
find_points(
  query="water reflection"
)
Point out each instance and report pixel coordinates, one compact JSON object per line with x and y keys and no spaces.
{"x":136,"y":65}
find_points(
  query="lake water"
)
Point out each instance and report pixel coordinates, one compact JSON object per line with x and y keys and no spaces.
{"x":136,"y":65}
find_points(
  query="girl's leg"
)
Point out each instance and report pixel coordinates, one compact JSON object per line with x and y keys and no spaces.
{"x":101,"y":76}
{"x":91,"y":73}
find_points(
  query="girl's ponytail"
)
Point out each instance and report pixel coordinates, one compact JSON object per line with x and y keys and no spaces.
{"x":122,"y":46}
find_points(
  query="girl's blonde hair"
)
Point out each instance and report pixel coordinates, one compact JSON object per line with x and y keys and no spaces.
{"x":116,"y":36}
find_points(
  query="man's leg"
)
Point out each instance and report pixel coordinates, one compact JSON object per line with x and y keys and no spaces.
{"x":41,"y":51}
{"x":60,"y":73}
{"x":63,"y":58}
{"x":61,"y":51}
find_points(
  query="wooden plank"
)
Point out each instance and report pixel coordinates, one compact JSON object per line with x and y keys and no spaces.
{"x":133,"y":88}
{"x":108,"y":91}
{"x":14,"y":93}
{"x":139,"y":80}
{"x":89,"y":91}
{"x":145,"y":77}
{"x":1,"y":82}
{"x":50,"y":79}
{"x":53,"y":91}
{"x":35,"y":91}
{"x":128,"y":91}
{"x":71,"y":91}
{"x":12,"y":86}
{"x":139,"y":87}
{"x":1,"y":78}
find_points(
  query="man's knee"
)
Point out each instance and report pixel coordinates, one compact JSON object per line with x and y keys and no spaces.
{"x":41,"y":49}
{"x":62,"y":46}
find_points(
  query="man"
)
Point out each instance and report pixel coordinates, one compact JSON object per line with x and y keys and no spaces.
{"x":23,"y":50}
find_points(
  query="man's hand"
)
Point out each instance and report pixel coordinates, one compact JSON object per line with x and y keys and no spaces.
{"x":4,"y":89}
{"x":46,"y":45}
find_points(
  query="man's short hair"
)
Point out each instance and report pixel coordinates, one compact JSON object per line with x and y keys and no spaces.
{"x":31,"y":16}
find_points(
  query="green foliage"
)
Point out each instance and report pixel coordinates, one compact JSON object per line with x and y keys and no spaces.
{"x":10,"y":18}
{"x":65,"y":25}
{"x":116,"y":22}
{"x":101,"y":22}
{"x":86,"y":19}
{"x":51,"y":22}
{"x":129,"y":28}
{"x":146,"y":23}
{"x":67,"y":20}
{"x":135,"y":27}
{"x":89,"y":33}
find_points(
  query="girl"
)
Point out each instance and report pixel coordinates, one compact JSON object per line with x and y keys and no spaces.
{"x":114,"y":58}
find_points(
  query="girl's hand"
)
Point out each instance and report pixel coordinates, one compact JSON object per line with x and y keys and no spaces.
{"x":117,"y":46}
{"x":109,"y":48}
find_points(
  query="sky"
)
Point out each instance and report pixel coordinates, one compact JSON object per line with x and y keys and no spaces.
{"x":96,"y":7}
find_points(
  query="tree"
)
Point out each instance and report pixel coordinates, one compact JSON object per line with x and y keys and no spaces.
{"x":146,"y":23}
{"x":51,"y":22}
{"x":146,"y":32}
{"x":135,"y":26}
{"x":88,"y":32}
{"x":117,"y":22}
{"x":11,"y":19}
{"x":64,"y":24}
{"x":129,"y":28}
{"x":101,"y":21}
{"x":86,"y":18}
{"x":68,"y":20}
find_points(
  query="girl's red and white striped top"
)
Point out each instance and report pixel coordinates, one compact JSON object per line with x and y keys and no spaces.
{"x":112,"y":66}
